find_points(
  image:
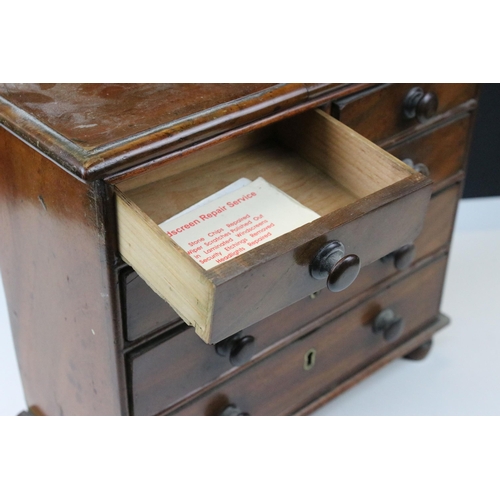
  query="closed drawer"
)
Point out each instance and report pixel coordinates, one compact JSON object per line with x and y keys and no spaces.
{"x":435,"y":234}
{"x":180,"y":364}
{"x":367,"y":199}
{"x":441,"y":151}
{"x":380,"y":112}
{"x":145,"y":311}
{"x":322,"y":359}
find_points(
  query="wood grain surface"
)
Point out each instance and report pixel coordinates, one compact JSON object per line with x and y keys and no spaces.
{"x":356,"y":184}
{"x":144,"y":311}
{"x":56,"y":267}
{"x":189,"y":366}
{"x":68,"y":290}
{"x":280,"y":385}
{"x":94,"y":115}
{"x":147,"y":313}
{"x":443,"y":149}
{"x":378,"y":113}
{"x":93,"y":130}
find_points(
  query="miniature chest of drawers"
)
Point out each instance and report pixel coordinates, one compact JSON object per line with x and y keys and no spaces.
{"x":111,"y":317}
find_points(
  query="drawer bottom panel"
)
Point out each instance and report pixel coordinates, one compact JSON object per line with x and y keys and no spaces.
{"x":320,"y":360}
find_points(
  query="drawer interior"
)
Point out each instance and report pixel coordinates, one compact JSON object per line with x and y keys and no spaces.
{"x":313,"y":158}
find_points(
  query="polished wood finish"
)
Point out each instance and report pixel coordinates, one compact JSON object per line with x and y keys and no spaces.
{"x":332,"y":264}
{"x":279,"y":384}
{"x":378,"y":113}
{"x":420,"y":105}
{"x":402,"y":257}
{"x":343,"y":273}
{"x":439,"y":221}
{"x":442,"y":150}
{"x":92,"y":337}
{"x":386,"y":212}
{"x":93,"y":130}
{"x":239,"y":348}
{"x":144,"y":311}
{"x":407,"y":346}
{"x":190,"y":366}
{"x":183,"y":352}
{"x":99,"y":114}
{"x":388,"y":324}
{"x":435,"y":235}
{"x":56,"y":264}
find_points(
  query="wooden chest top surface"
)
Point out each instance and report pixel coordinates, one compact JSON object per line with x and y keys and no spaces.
{"x":93,"y":130}
{"x":97,"y":114}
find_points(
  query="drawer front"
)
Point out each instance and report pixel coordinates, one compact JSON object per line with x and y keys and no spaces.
{"x":367,"y":199}
{"x":320,"y":360}
{"x":180,"y":363}
{"x":441,"y":150}
{"x":145,"y":311}
{"x":435,"y":234}
{"x":379,"y":113}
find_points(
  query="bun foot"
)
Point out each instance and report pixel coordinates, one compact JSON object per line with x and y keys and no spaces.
{"x":420,"y":352}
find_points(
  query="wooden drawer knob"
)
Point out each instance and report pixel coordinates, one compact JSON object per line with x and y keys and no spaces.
{"x":402,"y":257}
{"x":232,"y":411}
{"x":332,"y":263}
{"x":239,"y":348}
{"x":421,"y":168}
{"x":388,"y":324}
{"x":420,"y":105}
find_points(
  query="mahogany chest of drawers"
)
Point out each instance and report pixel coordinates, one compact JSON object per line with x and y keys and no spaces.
{"x":110,"y":317}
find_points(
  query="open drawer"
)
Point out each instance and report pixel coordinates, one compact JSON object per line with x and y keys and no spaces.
{"x":367,"y":200}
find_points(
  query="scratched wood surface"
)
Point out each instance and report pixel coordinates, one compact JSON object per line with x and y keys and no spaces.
{"x":94,"y":130}
{"x":279,"y":384}
{"x":68,"y":231}
{"x":377,"y":113}
{"x":56,"y":268}
{"x":147,"y":313}
{"x":352,"y":175}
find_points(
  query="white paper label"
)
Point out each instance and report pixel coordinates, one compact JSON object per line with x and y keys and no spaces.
{"x":230,"y":223}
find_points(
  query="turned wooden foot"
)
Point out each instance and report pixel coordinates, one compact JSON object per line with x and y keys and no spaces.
{"x":420,"y":352}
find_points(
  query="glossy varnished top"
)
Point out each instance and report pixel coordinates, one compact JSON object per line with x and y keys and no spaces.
{"x":93,"y":116}
{"x":94,"y":130}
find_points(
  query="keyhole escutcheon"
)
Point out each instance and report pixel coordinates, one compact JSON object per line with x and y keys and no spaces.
{"x":309,"y":359}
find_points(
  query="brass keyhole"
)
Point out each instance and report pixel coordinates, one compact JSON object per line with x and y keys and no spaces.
{"x":309,"y":359}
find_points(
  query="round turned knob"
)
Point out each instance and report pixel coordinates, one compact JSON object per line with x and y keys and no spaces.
{"x":402,"y":257}
{"x":233,"y":411}
{"x":239,"y":348}
{"x":420,"y":105}
{"x":388,"y":324}
{"x":421,"y":168}
{"x":330,"y":262}
{"x":343,"y":273}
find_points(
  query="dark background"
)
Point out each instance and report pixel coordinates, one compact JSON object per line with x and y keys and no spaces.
{"x":483,"y":174}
